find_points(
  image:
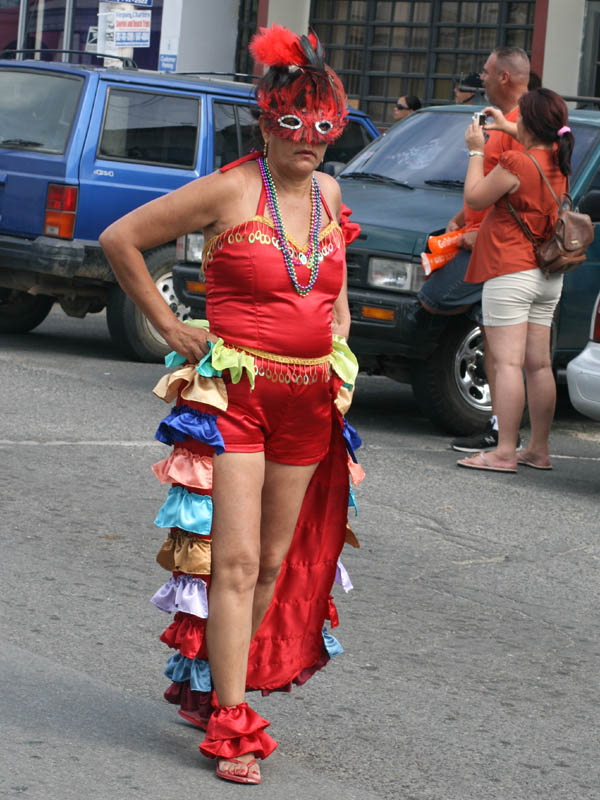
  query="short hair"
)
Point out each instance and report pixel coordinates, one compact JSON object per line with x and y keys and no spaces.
{"x":515,"y":61}
{"x":413,"y":102}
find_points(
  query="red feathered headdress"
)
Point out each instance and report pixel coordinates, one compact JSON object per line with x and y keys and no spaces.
{"x":301,"y":98}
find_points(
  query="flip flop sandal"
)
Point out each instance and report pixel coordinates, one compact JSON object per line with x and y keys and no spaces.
{"x":470,"y":463}
{"x":240,"y":773}
{"x":194,"y":718}
{"x":526,"y":463}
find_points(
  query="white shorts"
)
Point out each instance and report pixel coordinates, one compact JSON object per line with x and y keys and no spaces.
{"x":521,"y":297}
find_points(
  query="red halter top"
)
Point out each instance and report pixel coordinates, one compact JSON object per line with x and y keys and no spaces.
{"x":250,"y":298}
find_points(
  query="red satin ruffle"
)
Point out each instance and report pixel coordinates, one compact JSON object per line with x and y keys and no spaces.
{"x":235,"y":730}
{"x":186,"y":634}
{"x":180,"y":694}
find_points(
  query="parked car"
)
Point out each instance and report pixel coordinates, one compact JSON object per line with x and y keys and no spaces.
{"x":402,"y":188}
{"x":583,"y":372}
{"x":81,"y":146}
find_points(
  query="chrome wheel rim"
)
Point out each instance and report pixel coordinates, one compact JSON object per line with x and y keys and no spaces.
{"x":164,"y":284}
{"x":469,"y":372}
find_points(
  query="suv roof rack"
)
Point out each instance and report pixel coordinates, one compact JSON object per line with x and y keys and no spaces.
{"x":222,"y":74}
{"x":128,"y":62}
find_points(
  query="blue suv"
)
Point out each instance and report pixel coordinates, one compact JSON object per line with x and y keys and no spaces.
{"x":81,"y":146}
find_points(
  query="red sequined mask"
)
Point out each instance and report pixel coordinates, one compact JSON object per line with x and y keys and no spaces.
{"x":301,"y":98}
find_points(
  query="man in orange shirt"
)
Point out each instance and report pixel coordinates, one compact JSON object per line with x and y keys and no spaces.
{"x":504,"y":76}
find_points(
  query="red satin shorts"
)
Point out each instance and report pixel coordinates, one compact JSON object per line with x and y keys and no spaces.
{"x":288,"y":414}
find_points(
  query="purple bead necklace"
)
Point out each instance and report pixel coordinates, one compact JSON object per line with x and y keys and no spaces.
{"x":311,"y":259}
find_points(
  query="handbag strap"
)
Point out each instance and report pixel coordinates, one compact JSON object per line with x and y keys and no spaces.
{"x":524,"y":227}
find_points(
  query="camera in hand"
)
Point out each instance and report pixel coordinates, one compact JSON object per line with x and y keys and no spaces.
{"x":479,"y":117}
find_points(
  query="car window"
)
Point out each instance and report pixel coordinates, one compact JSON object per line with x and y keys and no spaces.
{"x":235,"y":132}
{"x":351,"y":142}
{"x":430,"y":146}
{"x":37,"y":109}
{"x":150,"y":128}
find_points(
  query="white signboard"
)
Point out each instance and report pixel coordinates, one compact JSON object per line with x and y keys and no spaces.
{"x":132,"y":27}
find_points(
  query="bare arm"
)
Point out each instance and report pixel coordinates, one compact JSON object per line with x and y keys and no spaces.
{"x":341,"y":312}
{"x":195,"y":206}
{"x":457,"y":221}
{"x":482,"y":192}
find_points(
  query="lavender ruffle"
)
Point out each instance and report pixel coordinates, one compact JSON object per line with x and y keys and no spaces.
{"x":195,"y":670}
{"x":184,"y":421}
{"x":183,"y":594}
{"x":342,"y":577}
{"x":186,"y":510}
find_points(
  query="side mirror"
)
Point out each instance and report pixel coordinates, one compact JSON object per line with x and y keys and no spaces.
{"x":590,"y":204}
{"x":333,"y":168}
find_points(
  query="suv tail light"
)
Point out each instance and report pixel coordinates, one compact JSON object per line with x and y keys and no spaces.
{"x":61,"y":209}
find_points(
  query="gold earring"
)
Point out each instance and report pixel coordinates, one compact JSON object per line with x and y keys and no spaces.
{"x":265,"y":149}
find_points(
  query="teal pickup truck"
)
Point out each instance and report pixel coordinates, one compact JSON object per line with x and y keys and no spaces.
{"x":403,"y":187}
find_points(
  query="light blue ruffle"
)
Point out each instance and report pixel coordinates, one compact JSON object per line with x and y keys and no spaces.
{"x":205,"y":367}
{"x":352,"y":501}
{"x":333,"y":647}
{"x":186,"y":510}
{"x":195,"y":670}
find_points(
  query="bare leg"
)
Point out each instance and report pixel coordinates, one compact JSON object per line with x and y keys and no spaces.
{"x":506,"y":344}
{"x":256,"y":505}
{"x":541,"y":392}
{"x":282,"y":496}
{"x":490,"y":366}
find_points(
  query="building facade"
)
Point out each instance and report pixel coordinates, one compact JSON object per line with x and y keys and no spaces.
{"x":381,"y":49}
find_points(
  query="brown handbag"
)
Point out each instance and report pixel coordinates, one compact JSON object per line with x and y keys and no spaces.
{"x":573,"y":233}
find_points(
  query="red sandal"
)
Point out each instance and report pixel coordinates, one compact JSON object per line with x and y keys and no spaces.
{"x":240,"y":773}
{"x":194,"y":718}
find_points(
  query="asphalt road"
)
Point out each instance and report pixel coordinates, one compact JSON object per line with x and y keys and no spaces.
{"x":471,"y":638}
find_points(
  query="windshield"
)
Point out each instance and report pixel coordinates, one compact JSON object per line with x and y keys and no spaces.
{"x":429,"y":148}
{"x":37,"y":109}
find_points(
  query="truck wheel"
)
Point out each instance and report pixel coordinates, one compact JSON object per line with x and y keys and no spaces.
{"x":128,"y":327}
{"x":451,"y":386}
{"x":21,"y":312}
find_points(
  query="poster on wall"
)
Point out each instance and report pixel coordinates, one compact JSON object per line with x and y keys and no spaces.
{"x":132,"y":27}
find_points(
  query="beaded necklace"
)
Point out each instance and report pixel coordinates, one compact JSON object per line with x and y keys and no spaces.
{"x":311,"y":259}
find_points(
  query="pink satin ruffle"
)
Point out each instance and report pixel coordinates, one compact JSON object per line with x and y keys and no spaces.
{"x":186,"y":468}
{"x":357,"y":473}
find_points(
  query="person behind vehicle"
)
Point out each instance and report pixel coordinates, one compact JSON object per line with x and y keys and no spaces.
{"x":259,"y":418}
{"x":518,"y":299}
{"x":504,"y":77}
{"x":468,"y":91}
{"x":405,"y":106}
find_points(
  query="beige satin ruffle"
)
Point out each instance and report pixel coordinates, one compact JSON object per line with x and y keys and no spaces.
{"x":351,"y":537}
{"x":190,"y":469}
{"x":182,"y":552}
{"x":343,"y":400}
{"x":197,"y":388}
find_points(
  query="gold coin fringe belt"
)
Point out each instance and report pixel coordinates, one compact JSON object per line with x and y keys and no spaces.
{"x":287,"y":369}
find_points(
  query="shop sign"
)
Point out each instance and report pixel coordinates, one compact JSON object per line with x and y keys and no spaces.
{"x":132,"y":28}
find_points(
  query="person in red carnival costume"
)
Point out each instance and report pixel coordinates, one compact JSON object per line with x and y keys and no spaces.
{"x":263,"y":460}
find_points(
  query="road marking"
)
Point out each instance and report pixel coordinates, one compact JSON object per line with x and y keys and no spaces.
{"x":84,"y":443}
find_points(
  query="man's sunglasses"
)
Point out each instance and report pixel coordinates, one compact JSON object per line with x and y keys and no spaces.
{"x":400,"y":107}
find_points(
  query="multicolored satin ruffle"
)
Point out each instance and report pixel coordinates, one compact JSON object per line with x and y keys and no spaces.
{"x":187,"y":514}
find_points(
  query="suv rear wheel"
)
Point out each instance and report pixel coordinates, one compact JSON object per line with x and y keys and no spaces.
{"x":451,"y":386}
{"x":128,"y":327}
{"x":21,"y":312}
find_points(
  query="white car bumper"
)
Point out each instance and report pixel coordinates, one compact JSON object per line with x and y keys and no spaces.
{"x":583,"y":377}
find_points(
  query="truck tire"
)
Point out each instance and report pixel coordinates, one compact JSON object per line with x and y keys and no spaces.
{"x":451,"y":386}
{"x":128,"y":327}
{"x":21,"y":312}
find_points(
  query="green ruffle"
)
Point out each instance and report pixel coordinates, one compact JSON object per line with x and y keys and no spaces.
{"x":344,"y":361}
{"x":217,"y":359}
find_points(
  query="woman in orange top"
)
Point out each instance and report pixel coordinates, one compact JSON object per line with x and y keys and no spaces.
{"x":518,"y":300}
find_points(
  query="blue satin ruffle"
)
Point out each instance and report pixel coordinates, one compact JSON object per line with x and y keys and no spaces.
{"x":195,"y":670}
{"x":352,"y":502}
{"x":353,"y":440}
{"x":184,"y":421}
{"x":333,"y":647}
{"x":186,"y":510}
